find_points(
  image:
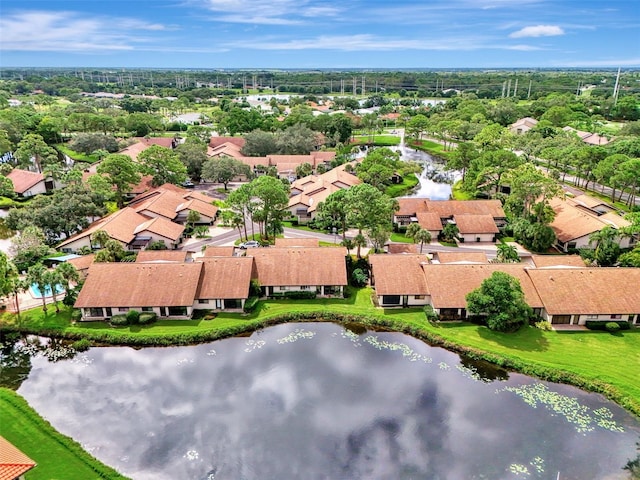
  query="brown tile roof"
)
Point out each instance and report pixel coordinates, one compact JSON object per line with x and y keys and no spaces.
{"x":584,"y":291}
{"x":572,"y":222}
{"x":136,"y":285}
{"x":462,"y":257}
{"x":23,"y":180}
{"x":542,"y":261}
{"x":409,"y":206}
{"x":195,"y":195}
{"x":203,"y":208}
{"x":228,"y":149}
{"x":213,"y":251}
{"x":13,"y":463}
{"x":216,"y":141}
{"x":402,"y":248}
{"x":119,"y":225}
{"x":429,"y":221}
{"x":83,"y":262}
{"x":475,"y":224}
{"x":297,"y":242}
{"x":225,"y":277}
{"x":588,"y":201}
{"x":144,"y":185}
{"x":449,"y":208}
{"x":161,"y":226}
{"x":177,"y":256}
{"x":300,"y":266}
{"x":399,"y":274}
{"x":449,"y":284}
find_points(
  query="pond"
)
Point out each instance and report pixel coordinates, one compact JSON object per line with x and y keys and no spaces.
{"x":319,"y":401}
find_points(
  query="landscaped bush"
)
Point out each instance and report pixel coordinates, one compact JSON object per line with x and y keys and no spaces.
{"x":133,"y":316}
{"x":119,"y":320}
{"x":76,"y":315}
{"x":543,"y":325}
{"x":299,"y":295}
{"x":430,"y":313}
{"x":251,"y":304}
{"x":146,"y":318}
{"x":600,"y":325}
{"x":81,"y":345}
{"x":612,"y":327}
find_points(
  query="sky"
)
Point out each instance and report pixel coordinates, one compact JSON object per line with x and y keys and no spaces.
{"x":307,"y":34}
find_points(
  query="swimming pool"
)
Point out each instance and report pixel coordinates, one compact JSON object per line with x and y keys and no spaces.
{"x":36,"y":293}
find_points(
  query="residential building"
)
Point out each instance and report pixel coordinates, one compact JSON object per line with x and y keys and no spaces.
{"x":399,"y":280}
{"x":27,"y":184}
{"x":13,"y":462}
{"x":523,"y":125}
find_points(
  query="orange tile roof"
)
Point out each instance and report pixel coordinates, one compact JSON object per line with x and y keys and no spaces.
{"x":199,"y":206}
{"x":216,"y":141}
{"x":468,"y":224}
{"x":429,"y":221}
{"x":409,"y":206}
{"x":23,"y":180}
{"x":225,"y":277}
{"x":449,"y":208}
{"x":449,"y":284}
{"x":462,"y":257}
{"x":178,"y":256}
{"x":83,"y":262}
{"x":13,"y":463}
{"x":213,"y":251}
{"x":399,"y":274}
{"x":161,"y":226}
{"x":584,"y":291}
{"x":402,"y":248}
{"x":297,"y":242}
{"x":572,"y":222}
{"x":300,"y":266}
{"x":136,"y":285}
{"x":542,"y":261}
{"x":119,"y":225}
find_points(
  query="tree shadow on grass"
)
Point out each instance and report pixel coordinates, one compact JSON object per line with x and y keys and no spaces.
{"x":528,"y":339}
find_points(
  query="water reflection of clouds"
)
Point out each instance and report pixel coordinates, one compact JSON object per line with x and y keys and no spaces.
{"x":304,"y":409}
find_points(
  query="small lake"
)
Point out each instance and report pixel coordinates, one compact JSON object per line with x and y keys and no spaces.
{"x":319,"y":401}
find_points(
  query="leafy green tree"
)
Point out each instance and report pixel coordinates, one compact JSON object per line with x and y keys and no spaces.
{"x":142,"y":124}
{"x":628,"y":177}
{"x":535,"y":236}
{"x":368,"y":208}
{"x":32,"y":149}
{"x":99,"y":238}
{"x":450,"y":232}
{"x":378,"y":167}
{"x":270,"y":198}
{"x":296,"y":140}
{"x":201,"y":133}
{"x":193,"y":155}
{"x":259,"y":144}
{"x":7,"y":273}
{"x":28,"y":247}
{"x":68,"y":273}
{"x":91,"y":142}
{"x":529,"y":187}
{"x":193,"y":217}
{"x":359,"y":242}
{"x":333,"y":212}
{"x":304,"y":169}
{"x":606,"y":248}
{"x":500,"y":298}
{"x":461,"y":158}
{"x":6,"y":187}
{"x":239,"y":201}
{"x":112,"y":251}
{"x":412,"y":230}
{"x":223,"y":170}
{"x":121,"y":172}
{"x":606,"y":170}
{"x":163,"y":164}
{"x":630,"y":259}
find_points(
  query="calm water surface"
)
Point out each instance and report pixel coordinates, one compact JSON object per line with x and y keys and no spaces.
{"x":317,"y":401}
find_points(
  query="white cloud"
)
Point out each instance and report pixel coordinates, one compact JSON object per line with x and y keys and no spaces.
{"x":538,"y":31}
{"x":70,"y":32}
{"x":268,"y":12}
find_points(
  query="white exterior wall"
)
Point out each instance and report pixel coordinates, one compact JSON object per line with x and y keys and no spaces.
{"x":413,"y":301}
{"x":216,"y":304}
{"x":472,"y":237}
{"x":37,"y":189}
{"x":582,"y":319}
{"x":319,"y":289}
{"x":86,"y":315}
{"x":154,"y":237}
{"x":77,"y":244}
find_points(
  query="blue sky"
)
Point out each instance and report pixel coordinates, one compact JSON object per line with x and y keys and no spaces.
{"x":320,"y":34}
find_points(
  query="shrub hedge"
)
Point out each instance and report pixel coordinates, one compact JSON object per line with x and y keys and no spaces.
{"x":146,"y":318}
{"x":600,"y":325}
{"x":251,"y":304}
{"x":119,"y":320}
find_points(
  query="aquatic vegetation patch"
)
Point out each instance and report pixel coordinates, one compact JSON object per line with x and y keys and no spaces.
{"x":470,"y":373}
{"x":297,"y":334}
{"x":254,"y":345}
{"x":406,"y":350}
{"x":582,"y":417}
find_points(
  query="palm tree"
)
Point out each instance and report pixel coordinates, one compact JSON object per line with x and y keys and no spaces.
{"x":53,"y":278}
{"x":422,"y":236}
{"x":359,"y":241}
{"x":507,"y":253}
{"x":36,"y":275}
{"x":99,"y":238}
{"x":68,"y":273}
{"x":411,"y":231}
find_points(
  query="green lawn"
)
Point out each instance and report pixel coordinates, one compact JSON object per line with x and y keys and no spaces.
{"x":378,"y":140}
{"x":409,"y":181}
{"x":433,"y":148}
{"x":56,"y":455}
{"x":400,"y":238}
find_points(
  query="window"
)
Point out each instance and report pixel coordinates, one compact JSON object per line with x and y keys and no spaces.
{"x":147,"y":309}
{"x":419,"y":297}
{"x":96,"y":312}
{"x":304,"y":287}
{"x":177,"y":311}
{"x":592,"y":317}
{"x":203,"y":300}
{"x":616,"y":317}
{"x":123,"y":309}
